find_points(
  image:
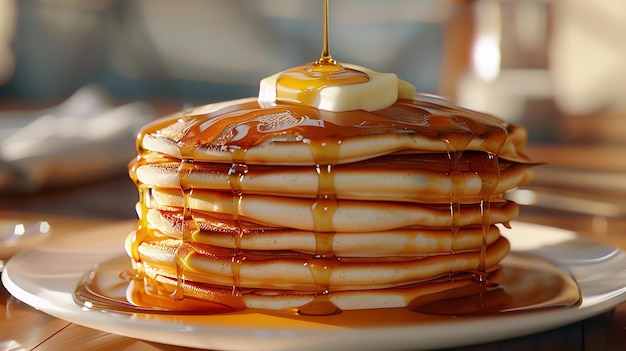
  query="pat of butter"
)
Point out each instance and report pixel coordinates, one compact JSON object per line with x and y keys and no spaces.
{"x":380,"y":91}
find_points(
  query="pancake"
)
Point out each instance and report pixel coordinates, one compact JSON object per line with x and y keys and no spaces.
{"x":417,"y":125}
{"x":416,"y":178}
{"x":249,"y":236}
{"x":415,"y":294}
{"x":289,"y":271}
{"x":347,"y":215}
{"x":282,"y":204}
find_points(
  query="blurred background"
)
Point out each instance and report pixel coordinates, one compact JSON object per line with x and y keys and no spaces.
{"x":207,"y":49}
{"x":556,"y":67}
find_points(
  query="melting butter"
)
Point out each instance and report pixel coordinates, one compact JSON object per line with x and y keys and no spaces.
{"x":379,"y":91}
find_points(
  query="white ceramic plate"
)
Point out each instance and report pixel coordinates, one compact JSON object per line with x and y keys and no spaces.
{"x":45,"y":278}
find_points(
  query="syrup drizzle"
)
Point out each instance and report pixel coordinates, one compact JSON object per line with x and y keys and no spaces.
{"x":323,"y":140}
{"x":528,"y":283}
{"x":141,"y":234}
{"x":324,"y":71}
{"x":324,"y":261}
{"x":303,"y":84}
{"x":216,"y":129}
{"x":236,"y":176}
{"x":189,"y":227}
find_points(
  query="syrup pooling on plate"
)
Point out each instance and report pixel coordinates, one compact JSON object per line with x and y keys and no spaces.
{"x":526,"y":283}
{"x":115,"y":286}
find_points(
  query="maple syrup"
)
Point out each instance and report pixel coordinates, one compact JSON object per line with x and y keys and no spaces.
{"x":526,"y":283}
{"x":303,"y":84}
{"x":116,"y":286}
{"x":236,"y":129}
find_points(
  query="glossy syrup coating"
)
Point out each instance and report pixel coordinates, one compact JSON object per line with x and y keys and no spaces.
{"x":294,"y":134}
{"x":215,"y":181}
{"x":295,"y":129}
{"x":304,"y":136}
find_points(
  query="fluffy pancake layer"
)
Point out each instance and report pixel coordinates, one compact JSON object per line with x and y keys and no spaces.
{"x":404,"y":242}
{"x":286,"y":206}
{"x":406,"y":178}
{"x":288,"y":270}
{"x":347,"y":215}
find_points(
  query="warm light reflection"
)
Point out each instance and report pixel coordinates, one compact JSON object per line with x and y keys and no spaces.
{"x":11,"y":345}
{"x":44,"y":227}
{"x":19,"y":229}
{"x":486,"y":57}
{"x":486,"y":45}
{"x":523,"y":196}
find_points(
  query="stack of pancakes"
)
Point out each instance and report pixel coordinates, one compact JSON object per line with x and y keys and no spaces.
{"x":289,"y":206}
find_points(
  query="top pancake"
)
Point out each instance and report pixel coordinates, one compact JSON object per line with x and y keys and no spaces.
{"x":288,"y":134}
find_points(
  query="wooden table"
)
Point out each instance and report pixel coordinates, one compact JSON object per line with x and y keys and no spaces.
{"x":78,"y":208}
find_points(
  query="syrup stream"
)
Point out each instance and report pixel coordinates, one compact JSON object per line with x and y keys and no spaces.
{"x":325,"y":56}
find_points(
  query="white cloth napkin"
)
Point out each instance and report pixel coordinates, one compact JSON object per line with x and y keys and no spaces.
{"x":85,"y":138}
